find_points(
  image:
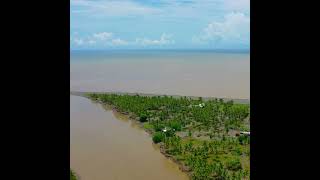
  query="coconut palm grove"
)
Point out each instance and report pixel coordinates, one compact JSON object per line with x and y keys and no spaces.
{"x":209,"y":139}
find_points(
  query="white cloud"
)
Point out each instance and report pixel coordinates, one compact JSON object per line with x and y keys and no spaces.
{"x":103,"y":36}
{"x":100,"y":38}
{"x":164,"y":39}
{"x":119,"y":41}
{"x":108,"y":39}
{"x":78,"y":41}
{"x":234,"y":29}
{"x":92,"y":42}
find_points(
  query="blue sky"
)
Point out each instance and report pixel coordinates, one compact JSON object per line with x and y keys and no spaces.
{"x":160,"y":24}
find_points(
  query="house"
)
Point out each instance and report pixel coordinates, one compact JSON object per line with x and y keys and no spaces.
{"x":198,"y":105}
{"x":201,"y":105}
{"x":245,"y":133}
{"x":165,"y":129}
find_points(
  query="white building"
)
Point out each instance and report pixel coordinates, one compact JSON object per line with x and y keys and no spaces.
{"x":245,"y":133}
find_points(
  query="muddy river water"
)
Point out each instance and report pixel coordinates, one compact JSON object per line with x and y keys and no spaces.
{"x":223,"y":75}
{"x":107,"y":146}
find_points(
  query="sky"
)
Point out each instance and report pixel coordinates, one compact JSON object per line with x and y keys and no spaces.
{"x":160,"y":24}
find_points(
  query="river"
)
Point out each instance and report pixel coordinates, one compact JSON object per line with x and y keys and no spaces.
{"x":107,"y":146}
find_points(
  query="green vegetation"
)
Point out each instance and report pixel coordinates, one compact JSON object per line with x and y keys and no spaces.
{"x":72,"y":175}
{"x":199,"y":134}
{"x":147,"y":126}
{"x":158,"y":137}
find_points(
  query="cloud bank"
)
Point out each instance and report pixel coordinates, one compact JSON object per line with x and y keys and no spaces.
{"x":108,"y":39}
{"x":165,"y":39}
{"x":234,"y":29}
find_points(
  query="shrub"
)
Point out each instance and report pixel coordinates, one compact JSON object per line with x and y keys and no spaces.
{"x":148,"y":126}
{"x":176,"y":125}
{"x":143,"y":118}
{"x":158,"y":127}
{"x":158,"y":137}
{"x":234,"y":164}
{"x":170,"y":133}
{"x":243,"y":139}
{"x":237,"y":151}
{"x":93,"y":96}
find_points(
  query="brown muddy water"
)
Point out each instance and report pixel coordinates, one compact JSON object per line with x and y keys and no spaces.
{"x":107,"y":146}
{"x":222,"y":75}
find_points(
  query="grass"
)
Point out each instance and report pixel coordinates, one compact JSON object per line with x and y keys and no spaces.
{"x":148,"y":126}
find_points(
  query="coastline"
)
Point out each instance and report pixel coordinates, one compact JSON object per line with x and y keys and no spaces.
{"x":235,"y":100}
{"x":130,"y":116}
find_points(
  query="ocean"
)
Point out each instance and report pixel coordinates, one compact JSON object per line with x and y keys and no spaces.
{"x":222,"y":74}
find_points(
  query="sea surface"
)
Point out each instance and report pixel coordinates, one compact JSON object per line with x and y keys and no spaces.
{"x":175,"y":72}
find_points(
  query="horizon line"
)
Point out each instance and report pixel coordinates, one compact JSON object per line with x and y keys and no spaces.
{"x":160,"y":49}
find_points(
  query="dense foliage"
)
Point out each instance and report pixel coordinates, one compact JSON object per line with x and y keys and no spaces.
{"x":158,"y":137}
{"x":199,"y":134}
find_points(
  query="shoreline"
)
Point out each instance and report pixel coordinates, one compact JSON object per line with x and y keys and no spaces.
{"x":130,"y":116}
{"x":235,"y":100}
{"x":183,"y":168}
